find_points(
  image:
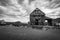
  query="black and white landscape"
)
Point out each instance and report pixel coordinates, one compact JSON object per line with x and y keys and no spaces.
{"x":27,"y":32}
{"x":29,"y":19}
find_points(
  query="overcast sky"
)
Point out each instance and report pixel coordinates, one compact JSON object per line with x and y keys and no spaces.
{"x":19,"y":10}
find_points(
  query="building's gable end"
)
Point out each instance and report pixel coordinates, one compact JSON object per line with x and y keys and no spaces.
{"x":37,"y":11}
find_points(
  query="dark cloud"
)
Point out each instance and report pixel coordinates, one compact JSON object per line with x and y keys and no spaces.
{"x":4,"y":2}
{"x":1,"y":16}
{"x":53,"y":4}
{"x":1,"y":11}
{"x":31,"y":1}
{"x":20,"y":1}
{"x":57,"y":2}
{"x":49,"y":0}
{"x":57,"y":6}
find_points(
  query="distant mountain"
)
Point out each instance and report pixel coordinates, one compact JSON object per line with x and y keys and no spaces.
{"x":17,"y":23}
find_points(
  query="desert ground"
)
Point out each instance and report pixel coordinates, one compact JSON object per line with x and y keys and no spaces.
{"x":28,"y":33}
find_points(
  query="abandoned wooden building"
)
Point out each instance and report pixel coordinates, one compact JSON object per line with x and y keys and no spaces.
{"x":37,"y":17}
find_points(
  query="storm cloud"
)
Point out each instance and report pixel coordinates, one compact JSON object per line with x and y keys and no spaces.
{"x":19,"y":10}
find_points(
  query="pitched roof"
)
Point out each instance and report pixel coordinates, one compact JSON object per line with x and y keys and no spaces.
{"x":37,"y":11}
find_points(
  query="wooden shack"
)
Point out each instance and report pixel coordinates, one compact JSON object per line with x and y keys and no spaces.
{"x":37,"y":17}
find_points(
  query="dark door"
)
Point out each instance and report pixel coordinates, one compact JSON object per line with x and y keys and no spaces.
{"x":36,"y":22}
{"x":50,"y":22}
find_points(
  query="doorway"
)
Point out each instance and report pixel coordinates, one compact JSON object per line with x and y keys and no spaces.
{"x":49,"y":21}
{"x":36,"y":22}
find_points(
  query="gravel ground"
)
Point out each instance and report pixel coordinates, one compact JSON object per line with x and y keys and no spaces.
{"x":28,"y":33}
